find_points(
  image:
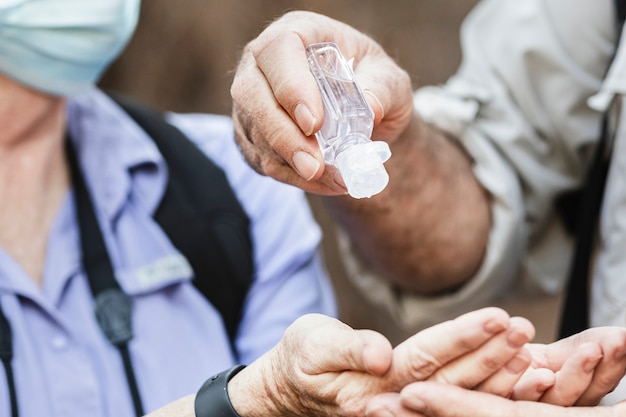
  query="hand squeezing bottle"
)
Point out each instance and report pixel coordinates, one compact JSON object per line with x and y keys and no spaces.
{"x":344,"y":138}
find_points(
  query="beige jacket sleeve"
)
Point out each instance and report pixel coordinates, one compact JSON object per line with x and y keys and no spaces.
{"x":518,"y":105}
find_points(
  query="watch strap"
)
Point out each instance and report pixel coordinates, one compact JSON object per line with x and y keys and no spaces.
{"x":212,"y":399}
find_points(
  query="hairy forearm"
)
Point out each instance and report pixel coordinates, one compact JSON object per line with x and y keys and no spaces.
{"x":427,"y":231}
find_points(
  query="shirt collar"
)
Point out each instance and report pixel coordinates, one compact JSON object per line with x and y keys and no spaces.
{"x":110,"y":146}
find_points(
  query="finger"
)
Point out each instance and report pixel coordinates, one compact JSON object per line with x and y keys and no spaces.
{"x":423,"y":354}
{"x":504,"y":379}
{"x":611,"y":368}
{"x":266,"y":162}
{"x":327,"y":345}
{"x":388,"y":404}
{"x":555,"y":354}
{"x":291,"y":82}
{"x":280,"y":54}
{"x":433,"y":399}
{"x":261,"y":120}
{"x":533,"y":384}
{"x":607,"y":373}
{"x":574,"y":376}
{"x":270,"y":141}
{"x":388,"y":91}
{"x":424,"y":398}
{"x":476,"y":366}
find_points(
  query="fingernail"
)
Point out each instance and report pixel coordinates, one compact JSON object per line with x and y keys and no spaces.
{"x":306,"y":165}
{"x":515,"y":338}
{"x":494,"y":326}
{"x":304,"y":118}
{"x":518,"y":364}
{"x":378,"y":412}
{"x":590,"y":364}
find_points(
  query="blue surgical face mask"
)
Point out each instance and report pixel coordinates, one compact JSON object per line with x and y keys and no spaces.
{"x":63,"y":46}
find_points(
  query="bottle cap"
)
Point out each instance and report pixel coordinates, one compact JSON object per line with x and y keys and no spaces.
{"x":362,"y":170}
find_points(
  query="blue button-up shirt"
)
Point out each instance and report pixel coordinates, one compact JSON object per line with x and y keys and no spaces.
{"x":63,"y":364}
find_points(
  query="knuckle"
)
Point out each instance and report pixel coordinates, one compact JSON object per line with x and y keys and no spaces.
{"x":491,"y":363}
{"x":266,"y":41}
{"x":270,"y":167}
{"x":241,"y":80}
{"x":274,"y":133}
{"x":236,"y":89}
{"x":287,"y":88}
{"x":423,"y":364}
{"x":404,"y":81}
{"x":294,"y":15}
{"x":464,"y":343}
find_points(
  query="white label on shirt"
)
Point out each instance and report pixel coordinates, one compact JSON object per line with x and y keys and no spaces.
{"x":163,"y":270}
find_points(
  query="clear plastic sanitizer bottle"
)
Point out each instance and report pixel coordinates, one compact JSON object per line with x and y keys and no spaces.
{"x":344,"y":138}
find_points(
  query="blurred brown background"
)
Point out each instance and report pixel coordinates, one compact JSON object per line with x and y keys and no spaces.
{"x":183,"y":55}
{"x":183,"y":52}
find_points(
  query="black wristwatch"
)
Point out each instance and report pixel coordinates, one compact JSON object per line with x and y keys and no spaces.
{"x":212,"y":399}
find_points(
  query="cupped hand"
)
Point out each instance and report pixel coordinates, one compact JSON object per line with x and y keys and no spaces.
{"x":277,"y":106}
{"x":323,"y":367}
{"x":431,"y":399}
{"x":578,"y":370}
{"x":587,"y":366}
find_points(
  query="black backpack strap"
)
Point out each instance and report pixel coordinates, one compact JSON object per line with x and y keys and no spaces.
{"x":586,"y":205}
{"x":202,"y":217}
{"x":113,"y":307}
{"x":6,"y":356}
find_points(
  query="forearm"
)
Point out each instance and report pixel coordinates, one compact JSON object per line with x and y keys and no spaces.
{"x":428,"y":230}
{"x":253,"y":391}
{"x":249,"y":395}
{"x":183,"y":407}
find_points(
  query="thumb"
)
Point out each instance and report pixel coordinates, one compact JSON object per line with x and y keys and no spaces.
{"x":434,"y":399}
{"x":443,"y":400}
{"x":324,"y":344}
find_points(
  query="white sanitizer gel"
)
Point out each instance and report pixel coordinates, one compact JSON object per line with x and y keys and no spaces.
{"x":344,"y":138}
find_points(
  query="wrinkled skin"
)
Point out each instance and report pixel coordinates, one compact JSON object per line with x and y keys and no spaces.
{"x":323,"y":367}
{"x":277,"y":104}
